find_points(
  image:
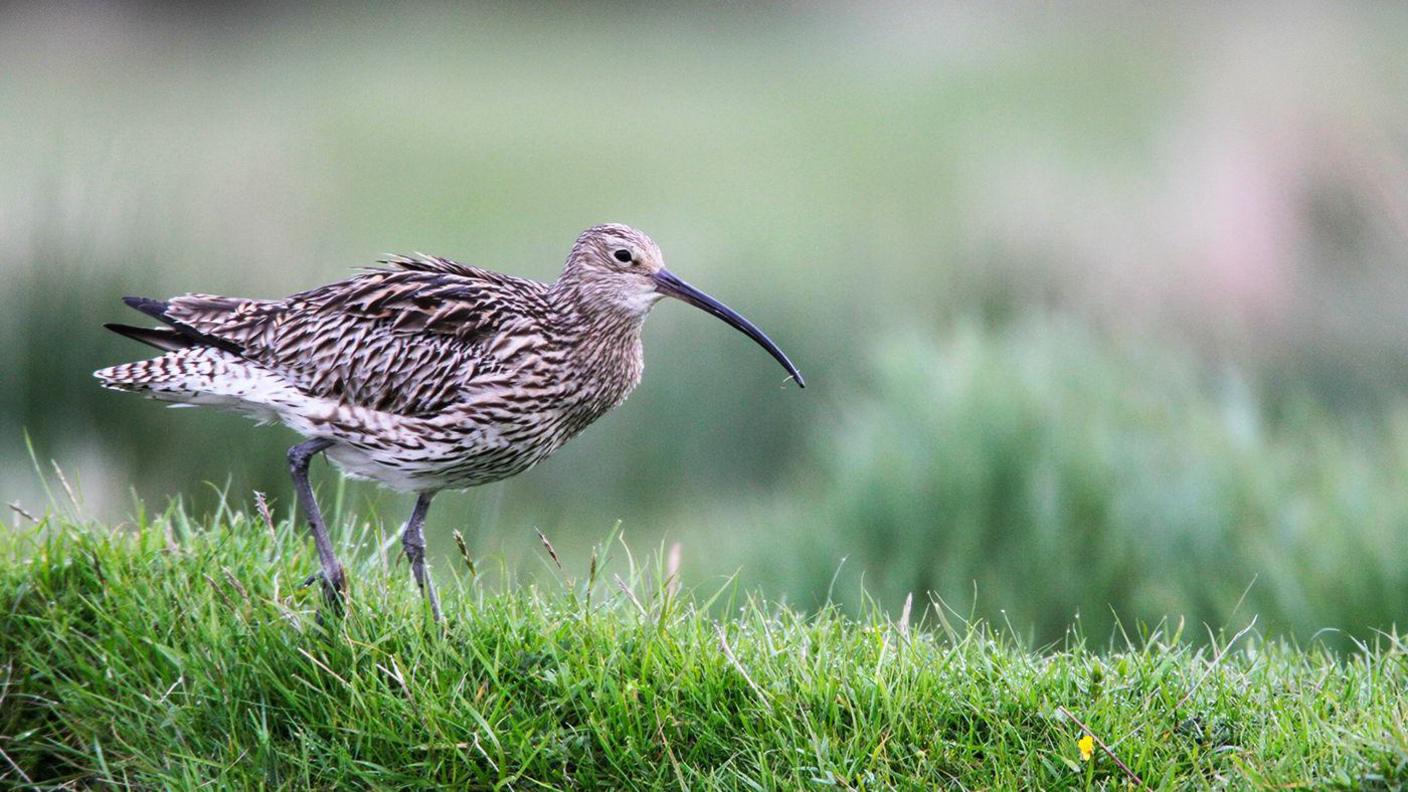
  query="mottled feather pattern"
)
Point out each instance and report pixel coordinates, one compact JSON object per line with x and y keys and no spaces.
{"x":425,"y":373}
{"x":406,"y":341}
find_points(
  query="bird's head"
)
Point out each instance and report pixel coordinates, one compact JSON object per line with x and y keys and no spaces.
{"x":618,"y":270}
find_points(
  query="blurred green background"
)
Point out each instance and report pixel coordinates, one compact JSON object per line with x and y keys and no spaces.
{"x":1103,"y":310}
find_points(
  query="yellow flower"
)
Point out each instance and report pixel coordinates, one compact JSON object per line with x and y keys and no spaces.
{"x":1086,"y":745}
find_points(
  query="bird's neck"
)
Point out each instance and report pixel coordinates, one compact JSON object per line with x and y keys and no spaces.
{"x":606,"y":342}
{"x":590,"y":305}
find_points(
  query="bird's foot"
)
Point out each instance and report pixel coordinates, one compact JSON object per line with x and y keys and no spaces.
{"x":334,"y":586}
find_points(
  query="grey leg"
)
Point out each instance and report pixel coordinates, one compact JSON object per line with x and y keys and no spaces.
{"x":414,"y":543}
{"x":334,"y":581}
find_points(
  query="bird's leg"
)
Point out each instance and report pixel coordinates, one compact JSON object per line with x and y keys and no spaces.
{"x":414,"y":543}
{"x":334,"y":581}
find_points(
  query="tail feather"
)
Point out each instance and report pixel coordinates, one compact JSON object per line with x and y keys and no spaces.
{"x":196,"y":367}
{"x":202,"y":375}
{"x":164,"y":373}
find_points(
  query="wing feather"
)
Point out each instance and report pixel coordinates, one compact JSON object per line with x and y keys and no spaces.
{"x":411,"y":339}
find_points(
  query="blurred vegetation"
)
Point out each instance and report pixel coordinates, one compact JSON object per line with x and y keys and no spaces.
{"x":1099,"y":308}
{"x":1064,"y":477}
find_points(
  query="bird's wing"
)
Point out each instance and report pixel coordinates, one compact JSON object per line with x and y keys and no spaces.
{"x":411,"y":339}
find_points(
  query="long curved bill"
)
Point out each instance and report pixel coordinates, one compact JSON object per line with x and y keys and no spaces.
{"x":669,"y":284}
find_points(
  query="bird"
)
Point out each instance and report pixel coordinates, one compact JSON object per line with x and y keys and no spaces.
{"x":422,"y":374}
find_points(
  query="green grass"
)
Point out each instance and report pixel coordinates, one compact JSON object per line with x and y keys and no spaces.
{"x":169,"y":654}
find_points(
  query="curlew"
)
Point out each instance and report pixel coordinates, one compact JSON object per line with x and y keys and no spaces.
{"x":424,"y":374}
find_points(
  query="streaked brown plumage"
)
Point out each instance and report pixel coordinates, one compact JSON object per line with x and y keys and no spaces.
{"x":425,"y":374}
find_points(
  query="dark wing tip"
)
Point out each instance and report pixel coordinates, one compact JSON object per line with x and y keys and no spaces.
{"x":158,"y":309}
{"x":153,"y":308}
{"x":161,"y":338}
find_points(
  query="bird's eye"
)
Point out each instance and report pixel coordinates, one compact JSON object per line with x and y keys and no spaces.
{"x":623,"y":256}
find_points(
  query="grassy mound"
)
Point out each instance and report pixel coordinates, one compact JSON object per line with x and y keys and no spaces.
{"x":171,"y":655}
